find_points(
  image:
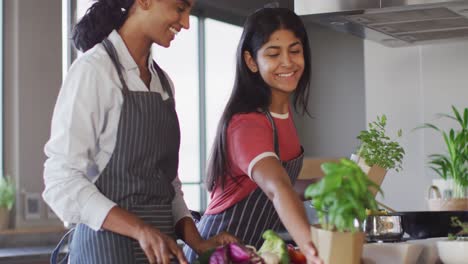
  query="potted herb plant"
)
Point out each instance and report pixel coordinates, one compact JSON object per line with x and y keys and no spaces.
{"x":377,"y":152}
{"x":7,"y":199}
{"x":452,"y":165}
{"x":341,"y":198}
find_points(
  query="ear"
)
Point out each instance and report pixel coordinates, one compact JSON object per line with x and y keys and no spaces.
{"x":249,"y":60}
{"x":143,"y":4}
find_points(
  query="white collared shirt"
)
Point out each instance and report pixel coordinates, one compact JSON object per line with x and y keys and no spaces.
{"x":84,"y":133}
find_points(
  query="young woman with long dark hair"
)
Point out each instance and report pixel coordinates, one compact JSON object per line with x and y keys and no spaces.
{"x":256,"y":155}
{"x":113,"y":150}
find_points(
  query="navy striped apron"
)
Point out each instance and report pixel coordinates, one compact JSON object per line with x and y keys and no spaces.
{"x":139,"y":174}
{"x":250,"y":217}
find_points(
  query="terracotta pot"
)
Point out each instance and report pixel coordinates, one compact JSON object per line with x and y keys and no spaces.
{"x":338,"y":247}
{"x":4,"y":217}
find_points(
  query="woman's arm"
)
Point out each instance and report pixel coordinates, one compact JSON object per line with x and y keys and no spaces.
{"x":271,"y":177}
{"x":76,"y":124}
{"x":185,"y":227}
{"x":188,"y":232}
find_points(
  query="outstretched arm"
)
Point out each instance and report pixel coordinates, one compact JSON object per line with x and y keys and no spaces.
{"x":271,"y":177}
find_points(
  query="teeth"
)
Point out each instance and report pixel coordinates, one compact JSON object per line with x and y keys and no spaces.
{"x":173,"y":30}
{"x":286,"y":74}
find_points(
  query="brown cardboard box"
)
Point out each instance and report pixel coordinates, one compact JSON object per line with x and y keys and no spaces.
{"x":311,"y":168}
{"x":338,"y":247}
{"x":375,"y":173}
{"x":310,"y":173}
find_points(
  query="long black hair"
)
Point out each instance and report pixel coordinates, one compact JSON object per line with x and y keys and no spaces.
{"x":250,"y":92}
{"x":99,"y":21}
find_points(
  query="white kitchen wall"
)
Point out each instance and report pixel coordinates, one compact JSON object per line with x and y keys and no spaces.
{"x":354,"y":80}
{"x":410,"y":85}
{"x":337,"y":94}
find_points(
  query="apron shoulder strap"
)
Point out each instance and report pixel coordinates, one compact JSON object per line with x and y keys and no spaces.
{"x":164,"y":81}
{"x":275,"y":132}
{"x":115,"y":60}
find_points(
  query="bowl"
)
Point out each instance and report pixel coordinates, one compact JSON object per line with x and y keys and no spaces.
{"x":453,"y":252}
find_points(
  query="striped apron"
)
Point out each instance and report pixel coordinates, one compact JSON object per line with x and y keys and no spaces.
{"x":250,"y":217}
{"x":139,"y":174}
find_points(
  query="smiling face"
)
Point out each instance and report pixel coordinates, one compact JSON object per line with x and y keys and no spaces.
{"x":165,"y":18}
{"x":280,"y":61}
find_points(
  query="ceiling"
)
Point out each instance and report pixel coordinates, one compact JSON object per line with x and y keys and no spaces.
{"x":234,"y":11}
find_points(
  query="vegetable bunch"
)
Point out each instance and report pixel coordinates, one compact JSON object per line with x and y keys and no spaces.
{"x":342,"y":196}
{"x":230,"y":253}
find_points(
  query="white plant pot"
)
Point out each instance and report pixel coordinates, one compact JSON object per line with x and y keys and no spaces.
{"x":453,"y":252}
{"x":445,"y":187}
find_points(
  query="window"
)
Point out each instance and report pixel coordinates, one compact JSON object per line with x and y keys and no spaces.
{"x":220,"y":71}
{"x":202,"y":66}
{"x":1,"y":87}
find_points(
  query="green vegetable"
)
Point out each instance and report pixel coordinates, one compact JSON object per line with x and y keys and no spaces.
{"x":342,"y":196}
{"x":377,"y":148}
{"x":204,"y":258}
{"x":274,"y":244}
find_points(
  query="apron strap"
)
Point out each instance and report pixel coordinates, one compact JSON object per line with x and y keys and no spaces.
{"x":54,"y":257}
{"x":115,"y":60}
{"x":275,"y":133}
{"x":163,"y":79}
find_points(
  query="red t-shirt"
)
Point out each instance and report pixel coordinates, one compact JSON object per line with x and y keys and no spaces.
{"x":249,"y":139}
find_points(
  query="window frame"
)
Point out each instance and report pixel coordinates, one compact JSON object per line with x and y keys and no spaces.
{"x":1,"y":88}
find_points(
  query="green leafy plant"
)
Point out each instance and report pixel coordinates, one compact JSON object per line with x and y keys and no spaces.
{"x":377,"y":148}
{"x":463,"y":233}
{"x":7,"y":193}
{"x":453,"y":164}
{"x":342,"y":196}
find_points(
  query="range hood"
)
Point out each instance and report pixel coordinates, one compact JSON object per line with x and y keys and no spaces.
{"x":394,"y":23}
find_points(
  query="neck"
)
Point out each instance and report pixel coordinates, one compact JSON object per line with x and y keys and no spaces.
{"x":137,"y":45}
{"x":279,"y":103}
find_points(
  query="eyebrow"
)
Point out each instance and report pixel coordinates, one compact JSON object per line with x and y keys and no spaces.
{"x":290,"y":46}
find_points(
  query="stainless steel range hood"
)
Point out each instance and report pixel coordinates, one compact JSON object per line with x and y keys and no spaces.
{"x":393,"y":23}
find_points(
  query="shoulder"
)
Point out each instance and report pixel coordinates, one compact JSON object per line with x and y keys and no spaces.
{"x":92,"y":62}
{"x":94,"y":67}
{"x":253,"y":120}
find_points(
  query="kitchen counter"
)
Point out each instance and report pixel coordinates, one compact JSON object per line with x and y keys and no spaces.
{"x":29,"y":255}
{"x":422,"y":251}
{"x":28,"y":246}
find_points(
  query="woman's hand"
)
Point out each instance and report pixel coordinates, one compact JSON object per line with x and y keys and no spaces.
{"x":158,"y":247}
{"x":309,"y":251}
{"x":220,"y":239}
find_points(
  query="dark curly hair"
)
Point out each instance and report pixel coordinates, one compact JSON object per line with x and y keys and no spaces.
{"x":99,"y":21}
